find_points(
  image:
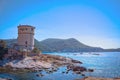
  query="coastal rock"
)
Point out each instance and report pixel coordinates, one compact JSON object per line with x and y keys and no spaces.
{"x":76,"y":68}
{"x":90,"y":70}
{"x":79,"y":68}
{"x":28,"y":63}
{"x":39,"y":75}
{"x":43,"y":61}
{"x":75,"y":61}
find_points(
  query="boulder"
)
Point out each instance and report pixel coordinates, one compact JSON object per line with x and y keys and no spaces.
{"x":75,"y":61}
{"x":90,"y":70}
{"x":79,"y":68}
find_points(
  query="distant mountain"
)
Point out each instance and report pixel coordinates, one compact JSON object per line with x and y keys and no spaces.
{"x":63,"y":45}
{"x":113,"y":50}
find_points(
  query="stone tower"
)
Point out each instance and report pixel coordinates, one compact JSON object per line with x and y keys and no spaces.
{"x":26,"y":37}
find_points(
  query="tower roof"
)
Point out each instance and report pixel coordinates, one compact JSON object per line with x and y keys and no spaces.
{"x":25,"y":26}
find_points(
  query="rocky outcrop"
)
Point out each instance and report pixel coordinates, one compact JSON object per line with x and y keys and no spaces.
{"x":77,"y":69}
{"x":43,"y":61}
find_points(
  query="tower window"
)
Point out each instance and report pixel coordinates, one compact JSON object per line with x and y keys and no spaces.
{"x":31,"y":29}
{"x":22,"y":29}
{"x":25,"y":42}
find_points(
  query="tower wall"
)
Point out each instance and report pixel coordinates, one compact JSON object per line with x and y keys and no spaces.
{"x":26,"y":36}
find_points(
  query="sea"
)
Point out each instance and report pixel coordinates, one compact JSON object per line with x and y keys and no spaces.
{"x":105,"y":64}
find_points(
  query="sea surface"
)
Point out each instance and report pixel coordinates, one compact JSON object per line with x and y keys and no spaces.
{"x":105,"y":64}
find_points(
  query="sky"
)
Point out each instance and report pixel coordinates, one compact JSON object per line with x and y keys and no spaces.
{"x":93,"y":22}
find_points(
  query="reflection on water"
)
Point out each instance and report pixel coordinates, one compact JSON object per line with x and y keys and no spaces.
{"x":104,"y":65}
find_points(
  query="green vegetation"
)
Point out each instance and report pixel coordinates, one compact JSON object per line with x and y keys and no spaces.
{"x":2,"y":43}
{"x":36,"y":50}
{"x":3,"y":49}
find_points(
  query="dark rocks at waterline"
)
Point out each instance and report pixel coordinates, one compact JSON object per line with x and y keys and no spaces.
{"x":63,"y":72}
{"x":76,"y":68}
{"x":77,"y":72}
{"x":75,"y":61}
{"x":54,"y":69}
{"x":39,"y":75}
{"x":67,"y":72}
{"x":79,"y":68}
{"x":83,"y":74}
{"x":70,"y":67}
{"x":40,"y":70}
{"x":51,"y":70}
{"x":90,"y":70}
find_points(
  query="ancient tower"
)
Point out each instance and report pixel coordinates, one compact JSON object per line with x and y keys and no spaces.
{"x":26,"y":37}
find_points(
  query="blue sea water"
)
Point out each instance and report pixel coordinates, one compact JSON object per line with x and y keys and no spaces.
{"x":105,"y":64}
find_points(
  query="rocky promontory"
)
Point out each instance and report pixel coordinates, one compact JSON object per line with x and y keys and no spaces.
{"x":43,"y":61}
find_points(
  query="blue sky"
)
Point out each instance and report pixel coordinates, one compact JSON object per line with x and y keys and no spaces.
{"x":93,"y":22}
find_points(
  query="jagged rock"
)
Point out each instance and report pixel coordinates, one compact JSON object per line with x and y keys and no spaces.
{"x":39,"y":75}
{"x":75,"y":61}
{"x":76,"y":69}
{"x":83,"y":74}
{"x":90,"y":70}
{"x":63,"y":72}
{"x":79,"y":68}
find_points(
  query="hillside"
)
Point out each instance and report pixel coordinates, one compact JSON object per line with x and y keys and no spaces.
{"x":63,"y":45}
{"x":59,"y":45}
{"x":113,"y":50}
